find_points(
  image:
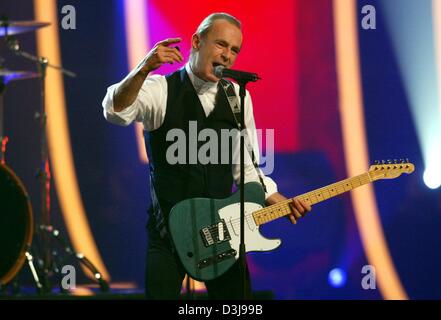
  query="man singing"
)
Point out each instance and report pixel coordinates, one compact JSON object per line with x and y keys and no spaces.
{"x":164,"y":103}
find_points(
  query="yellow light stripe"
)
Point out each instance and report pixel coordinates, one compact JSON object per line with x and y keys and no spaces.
{"x":82,"y":292}
{"x":355,"y":146}
{"x":436,"y":10}
{"x":136,"y":23}
{"x":60,"y":150}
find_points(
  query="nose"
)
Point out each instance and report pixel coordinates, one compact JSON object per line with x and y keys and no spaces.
{"x":226,"y":55}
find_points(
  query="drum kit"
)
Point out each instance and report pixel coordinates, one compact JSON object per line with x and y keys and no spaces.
{"x":17,"y":226}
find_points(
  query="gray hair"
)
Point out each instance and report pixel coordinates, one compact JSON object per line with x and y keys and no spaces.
{"x":208,"y":22}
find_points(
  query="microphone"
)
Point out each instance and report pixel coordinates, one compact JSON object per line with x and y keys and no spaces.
{"x":222,"y":72}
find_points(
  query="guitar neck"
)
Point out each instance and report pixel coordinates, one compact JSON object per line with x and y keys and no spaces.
{"x":282,"y":208}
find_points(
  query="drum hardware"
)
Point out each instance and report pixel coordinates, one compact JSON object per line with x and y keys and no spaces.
{"x":10,"y":28}
{"x":47,"y":261}
{"x":42,"y":62}
{"x":69,"y":252}
{"x":30,"y":261}
{"x":16,"y":223}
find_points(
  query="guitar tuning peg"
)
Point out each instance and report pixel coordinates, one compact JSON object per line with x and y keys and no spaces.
{"x":376,"y":162}
{"x":401,"y":160}
{"x":407,"y":160}
{"x":383,"y":162}
{"x":389,"y":161}
{"x":395,"y":161}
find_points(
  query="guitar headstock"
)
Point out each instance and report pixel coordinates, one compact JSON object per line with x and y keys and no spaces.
{"x":390,"y":169}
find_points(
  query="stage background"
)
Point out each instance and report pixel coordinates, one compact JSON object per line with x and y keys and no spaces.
{"x":291,"y":45}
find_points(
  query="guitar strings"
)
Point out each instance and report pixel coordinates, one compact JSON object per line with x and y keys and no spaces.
{"x":318,"y":193}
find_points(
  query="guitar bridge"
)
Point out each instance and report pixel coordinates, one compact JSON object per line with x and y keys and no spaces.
{"x":215,"y":234}
{"x":217,"y":258}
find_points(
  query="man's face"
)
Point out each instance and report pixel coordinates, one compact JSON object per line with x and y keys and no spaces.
{"x":220,"y":46}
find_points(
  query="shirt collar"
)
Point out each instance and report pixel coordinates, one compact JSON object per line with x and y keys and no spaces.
{"x":201,"y":86}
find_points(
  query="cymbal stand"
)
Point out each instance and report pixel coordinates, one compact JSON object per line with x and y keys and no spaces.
{"x":46,"y":230}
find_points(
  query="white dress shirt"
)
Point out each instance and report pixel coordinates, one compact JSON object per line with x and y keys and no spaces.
{"x":150,"y":107}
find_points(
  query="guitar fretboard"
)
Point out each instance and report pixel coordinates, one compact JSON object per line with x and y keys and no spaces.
{"x":282,"y":208}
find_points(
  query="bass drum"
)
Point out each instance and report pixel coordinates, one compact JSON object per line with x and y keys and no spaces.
{"x":16,"y":224}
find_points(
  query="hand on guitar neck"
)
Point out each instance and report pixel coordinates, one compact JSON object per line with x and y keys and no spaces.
{"x":298,"y":207}
{"x":206,"y":232}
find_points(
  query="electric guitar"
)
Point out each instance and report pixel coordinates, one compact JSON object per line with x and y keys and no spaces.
{"x":206,"y":232}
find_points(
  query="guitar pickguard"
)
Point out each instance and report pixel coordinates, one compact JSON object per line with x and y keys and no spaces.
{"x":254,"y":241}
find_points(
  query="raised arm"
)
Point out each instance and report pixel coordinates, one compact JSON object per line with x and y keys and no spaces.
{"x":126,"y":93}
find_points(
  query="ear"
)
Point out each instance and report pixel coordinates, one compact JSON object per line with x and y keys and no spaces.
{"x":195,"y":42}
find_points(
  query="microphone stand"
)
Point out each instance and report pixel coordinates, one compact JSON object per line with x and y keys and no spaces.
{"x":242,"y":248}
{"x":242,"y":78}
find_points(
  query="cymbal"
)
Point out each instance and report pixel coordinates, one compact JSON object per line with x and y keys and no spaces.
{"x":9,"y":75}
{"x":16,"y":27}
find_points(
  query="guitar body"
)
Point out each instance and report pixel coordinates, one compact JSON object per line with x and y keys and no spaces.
{"x":206,"y":232}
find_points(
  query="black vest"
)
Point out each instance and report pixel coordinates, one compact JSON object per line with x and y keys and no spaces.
{"x":171,"y":183}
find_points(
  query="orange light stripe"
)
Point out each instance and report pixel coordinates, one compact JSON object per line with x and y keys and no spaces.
{"x":136,"y":22}
{"x":355,"y":146}
{"x":60,"y":150}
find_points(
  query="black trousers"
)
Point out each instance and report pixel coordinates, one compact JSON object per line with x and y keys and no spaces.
{"x":164,"y":275}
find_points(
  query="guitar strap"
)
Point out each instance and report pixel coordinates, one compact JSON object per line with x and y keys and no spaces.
{"x":233,"y":101}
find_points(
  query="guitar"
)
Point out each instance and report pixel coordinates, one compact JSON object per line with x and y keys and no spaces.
{"x":206,"y":232}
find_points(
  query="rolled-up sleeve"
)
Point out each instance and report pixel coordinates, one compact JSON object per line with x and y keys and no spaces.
{"x":148,"y":108}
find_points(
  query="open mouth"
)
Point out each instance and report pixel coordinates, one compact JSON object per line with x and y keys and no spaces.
{"x":215,"y":64}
